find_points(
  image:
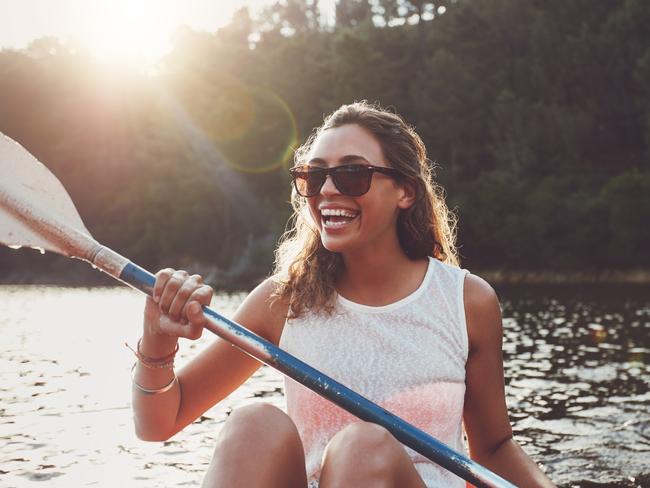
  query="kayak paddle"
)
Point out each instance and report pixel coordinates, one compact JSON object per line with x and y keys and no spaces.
{"x":36,"y":211}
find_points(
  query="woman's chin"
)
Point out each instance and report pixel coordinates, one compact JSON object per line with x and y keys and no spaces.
{"x":336,"y":244}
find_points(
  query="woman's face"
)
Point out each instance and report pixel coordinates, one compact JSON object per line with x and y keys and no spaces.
{"x":346,"y":223}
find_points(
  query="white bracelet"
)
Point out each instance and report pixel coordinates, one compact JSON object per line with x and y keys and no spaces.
{"x":151,"y":391}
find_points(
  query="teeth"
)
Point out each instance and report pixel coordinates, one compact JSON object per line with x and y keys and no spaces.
{"x":337,"y":212}
{"x":328,"y":223}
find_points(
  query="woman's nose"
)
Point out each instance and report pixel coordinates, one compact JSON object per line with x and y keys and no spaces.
{"x":329,"y":188}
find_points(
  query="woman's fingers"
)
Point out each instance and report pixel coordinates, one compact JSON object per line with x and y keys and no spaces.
{"x":203,"y":295}
{"x":197,"y":320}
{"x":180,"y":298}
{"x":172,"y":285}
{"x":162,"y":277}
{"x":191,"y":329}
{"x":193,"y":311}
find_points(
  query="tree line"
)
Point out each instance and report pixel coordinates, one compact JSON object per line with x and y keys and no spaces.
{"x":535,"y":113}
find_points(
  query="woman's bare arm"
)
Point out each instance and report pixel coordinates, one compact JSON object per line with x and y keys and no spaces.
{"x":486,"y":417}
{"x":209,"y":377}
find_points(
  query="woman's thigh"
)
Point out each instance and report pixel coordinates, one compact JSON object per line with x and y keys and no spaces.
{"x":258,"y":445}
{"x":366,"y":454}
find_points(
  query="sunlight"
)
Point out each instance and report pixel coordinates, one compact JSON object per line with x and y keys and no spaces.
{"x":129,"y":32}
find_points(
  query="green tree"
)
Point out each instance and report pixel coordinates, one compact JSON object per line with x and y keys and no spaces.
{"x":537,"y":115}
{"x":350,"y":13}
{"x":627,"y":197}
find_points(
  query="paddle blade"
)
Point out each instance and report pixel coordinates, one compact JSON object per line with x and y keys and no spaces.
{"x":33,"y":202}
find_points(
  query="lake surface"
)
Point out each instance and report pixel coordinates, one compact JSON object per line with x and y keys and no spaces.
{"x":577,"y":366}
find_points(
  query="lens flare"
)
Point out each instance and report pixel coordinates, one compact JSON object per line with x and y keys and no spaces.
{"x":253,"y":127}
{"x":272,"y":115}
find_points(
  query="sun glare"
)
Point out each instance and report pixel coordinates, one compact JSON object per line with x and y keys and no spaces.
{"x":128,"y":32}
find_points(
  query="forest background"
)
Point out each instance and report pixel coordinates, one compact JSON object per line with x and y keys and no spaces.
{"x":536,"y":114}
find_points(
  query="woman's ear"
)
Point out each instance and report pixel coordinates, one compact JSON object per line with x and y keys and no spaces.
{"x":408,"y":196}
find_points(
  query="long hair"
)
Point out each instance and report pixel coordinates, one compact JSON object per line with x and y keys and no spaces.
{"x":306,"y":271}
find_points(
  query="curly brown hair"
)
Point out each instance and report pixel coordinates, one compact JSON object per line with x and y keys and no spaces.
{"x":305,"y":271}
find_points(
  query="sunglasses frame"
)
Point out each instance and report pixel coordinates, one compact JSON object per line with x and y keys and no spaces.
{"x":336,"y":170}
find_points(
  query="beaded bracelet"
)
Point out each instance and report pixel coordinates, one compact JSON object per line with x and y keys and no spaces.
{"x":152,"y":391}
{"x":154,"y":363}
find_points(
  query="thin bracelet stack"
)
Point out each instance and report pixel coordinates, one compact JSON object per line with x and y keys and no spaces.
{"x":153,"y":363}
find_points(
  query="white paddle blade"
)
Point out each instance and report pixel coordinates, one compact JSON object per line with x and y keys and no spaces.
{"x":33,"y":202}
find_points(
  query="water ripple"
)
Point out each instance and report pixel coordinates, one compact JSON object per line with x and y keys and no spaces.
{"x":577,"y":365}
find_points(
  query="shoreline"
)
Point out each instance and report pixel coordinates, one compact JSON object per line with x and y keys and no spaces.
{"x":583,"y":277}
{"x":84,"y":276}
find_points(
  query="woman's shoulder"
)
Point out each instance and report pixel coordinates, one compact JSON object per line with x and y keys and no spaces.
{"x":482,"y":311}
{"x":446,"y":268}
{"x":477,"y":292}
{"x":263,"y":310}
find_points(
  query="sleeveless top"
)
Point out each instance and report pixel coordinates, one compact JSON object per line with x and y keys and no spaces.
{"x":408,"y":357}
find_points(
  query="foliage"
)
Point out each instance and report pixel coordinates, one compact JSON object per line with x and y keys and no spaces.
{"x":537,"y":114}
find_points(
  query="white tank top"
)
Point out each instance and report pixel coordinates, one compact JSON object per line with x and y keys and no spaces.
{"x":408,"y":357}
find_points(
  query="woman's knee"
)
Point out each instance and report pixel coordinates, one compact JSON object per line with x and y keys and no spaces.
{"x":369,"y":443}
{"x":264,"y":435}
{"x":259,"y":424}
{"x":363,"y":436}
{"x":366,"y":454}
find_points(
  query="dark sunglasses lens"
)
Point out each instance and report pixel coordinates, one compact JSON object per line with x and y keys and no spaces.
{"x":352,"y":180}
{"x":308,"y":183}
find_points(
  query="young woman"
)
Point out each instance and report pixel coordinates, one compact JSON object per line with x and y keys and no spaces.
{"x":368,"y":290}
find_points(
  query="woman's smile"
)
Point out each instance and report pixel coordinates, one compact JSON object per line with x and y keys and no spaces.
{"x":335,"y":218}
{"x":347,"y":222}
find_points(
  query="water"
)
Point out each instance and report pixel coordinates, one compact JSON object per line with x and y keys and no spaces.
{"x":578,"y":381}
{"x":577,"y":373}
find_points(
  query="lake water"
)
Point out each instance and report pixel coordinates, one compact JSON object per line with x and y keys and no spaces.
{"x":577,"y":373}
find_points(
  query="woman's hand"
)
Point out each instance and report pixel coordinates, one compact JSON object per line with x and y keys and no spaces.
{"x":175,"y":311}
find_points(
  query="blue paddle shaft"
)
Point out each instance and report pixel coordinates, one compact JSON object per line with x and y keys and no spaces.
{"x":271,"y":355}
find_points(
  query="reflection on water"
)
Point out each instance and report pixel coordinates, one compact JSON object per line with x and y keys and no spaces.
{"x":65,"y":415}
{"x":577,"y":373}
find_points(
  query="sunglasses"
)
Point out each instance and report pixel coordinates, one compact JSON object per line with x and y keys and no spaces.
{"x":352,"y":180}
